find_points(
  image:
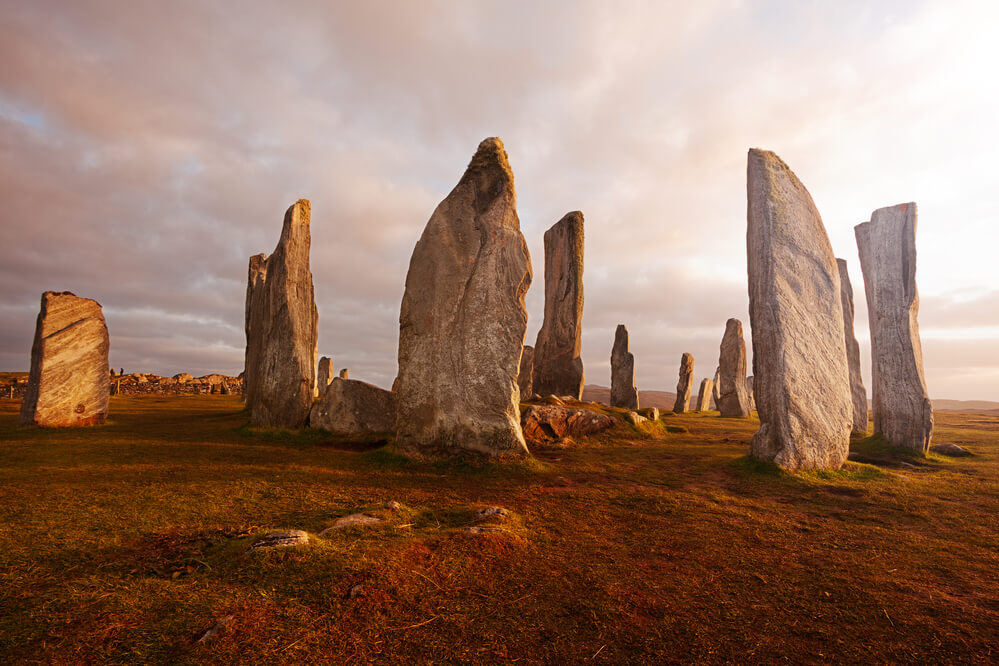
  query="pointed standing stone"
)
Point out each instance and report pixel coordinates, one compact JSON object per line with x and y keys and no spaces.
{"x":704,"y":395}
{"x":463,"y":319}
{"x":68,"y":382}
{"x":857,"y":391}
{"x":324,"y":375}
{"x":525,"y":379}
{"x":282,"y":328}
{"x":344,"y":373}
{"x":715,"y":396}
{"x":801,"y":379}
{"x":623,"y":391}
{"x":903,"y":413}
{"x":685,"y":385}
{"x":558,"y":368}
{"x":733,"y":396}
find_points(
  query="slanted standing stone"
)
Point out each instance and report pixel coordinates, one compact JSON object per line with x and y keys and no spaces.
{"x":463,"y":319}
{"x":324,"y":375}
{"x":714,"y":388}
{"x":623,"y":391}
{"x":858,"y":393}
{"x":350,"y":407}
{"x":68,"y":382}
{"x":525,"y":379}
{"x":903,"y":413}
{"x":685,"y":385}
{"x":704,"y":395}
{"x":801,"y":379}
{"x":558,"y":368}
{"x":733,"y":395}
{"x":282,"y":326}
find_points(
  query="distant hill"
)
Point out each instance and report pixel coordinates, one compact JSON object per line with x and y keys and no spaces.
{"x":660,"y":399}
{"x":966,"y":406}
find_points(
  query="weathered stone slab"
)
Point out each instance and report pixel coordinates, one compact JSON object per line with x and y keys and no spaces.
{"x":525,"y":378}
{"x":951,"y":449}
{"x":623,"y":391}
{"x":463,"y":319}
{"x":68,"y":382}
{"x":351,"y":407}
{"x":289,"y":539}
{"x":733,"y":395}
{"x":685,"y":385}
{"x":543,"y":422}
{"x":558,"y":368}
{"x":704,"y":395}
{"x":324,"y":374}
{"x":282,"y":328}
{"x":902,"y":410}
{"x":353,"y":520}
{"x":858,"y":393}
{"x":801,"y":379}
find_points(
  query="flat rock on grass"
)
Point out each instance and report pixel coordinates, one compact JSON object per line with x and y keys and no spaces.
{"x":635,"y":418}
{"x":487,"y":529}
{"x":492,"y":511}
{"x":353,"y":520}
{"x":289,"y":539}
{"x":949,"y":449}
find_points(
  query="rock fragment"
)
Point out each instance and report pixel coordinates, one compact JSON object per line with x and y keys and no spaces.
{"x":289,"y":539}
{"x":545,"y":422}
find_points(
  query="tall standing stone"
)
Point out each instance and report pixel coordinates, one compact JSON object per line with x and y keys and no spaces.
{"x":858,"y":393}
{"x":704,"y":395}
{"x":558,"y":368}
{"x":749,"y":390}
{"x":525,"y":378}
{"x":68,"y":382}
{"x":733,"y":394}
{"x":715,"y":395}
{"x":801,"y":379}
{"x":463,"y":319}
{"x":282,"y":328}
{"x":324,"y":375}
{"x":685,"y":385}
{"x":623,"y":391}
{"x":903,"y":413}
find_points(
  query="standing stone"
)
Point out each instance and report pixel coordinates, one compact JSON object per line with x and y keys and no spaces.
{"x":463,"y":319}
{"x":525,"y":379}
{"x":799,"y":359}
{"x":282,"y":328}
{"x":68,"y":383}
{"x":715,"y":395}
{"x":749,"y":390}
{"x":902,"y":410}
{"x":350,"y":407}
{"x":733,"y":395}
{"x":857,"y":391}
{"x":558,"y":368}
{"x":685,"y":385}
{"x":324,"y":375}
{"x":704,"y":395}
{"x":623,"y":391}
{"x":344,"y":374}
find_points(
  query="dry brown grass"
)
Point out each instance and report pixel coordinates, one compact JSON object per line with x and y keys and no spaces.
{"x":123,"y":543}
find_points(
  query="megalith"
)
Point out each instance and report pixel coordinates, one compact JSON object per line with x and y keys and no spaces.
{"x":800,"y":377}
{"x":733,"y":394}
{"x":714,"y":388}
{"x":344,"y":373}
{"x":685,"y":385}
{"x":68,"y":381}
{"x":558,"y":368}
{"x":623,"y":391}
{"x":903,"y":413}
{"x":463,"y":319}
{"x":858,"y":394}
{"x":525,"y":378}
{"x":704,"y":395}
{"x":282,"y":328}
{"x":749,"y":390}
{"x":324,"y":374}
{"x":351,"y":407}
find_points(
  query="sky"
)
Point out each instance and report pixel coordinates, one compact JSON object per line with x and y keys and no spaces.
{"x":147,"y":149}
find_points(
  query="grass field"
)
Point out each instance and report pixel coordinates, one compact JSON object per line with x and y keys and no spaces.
{"x":125,"y":542}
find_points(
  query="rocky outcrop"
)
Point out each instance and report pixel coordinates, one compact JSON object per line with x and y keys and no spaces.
{"x":623,"y":391}
{"x":558,"y":368}
{"x":902,"y":410}
{"x":68,"y":382}
{"x":858,"y":393}
{"x":704,"y":395}
{"x":463,"y":319}
{"x":801,"y":379}
{"x":351,"y":407}
{"x":545,"y":422}
{"x":733,"y":395}
{"x":685,"y":385}
{"x":282,"y":328}
{"x":525,"y":378}
{"x":324,"y":374}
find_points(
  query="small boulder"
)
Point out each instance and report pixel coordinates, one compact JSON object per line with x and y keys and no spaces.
{"x":634,"y":418}
{"x":353,"y":520}
{"x":491,"y":511}
{"x":546,"y":422}
{"x":950,"y":449}
{"x":289,"y":539}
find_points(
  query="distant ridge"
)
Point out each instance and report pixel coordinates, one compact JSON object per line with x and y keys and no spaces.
{"x":660,"y":399}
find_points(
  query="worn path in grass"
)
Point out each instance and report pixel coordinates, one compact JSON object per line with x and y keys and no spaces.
{"x":125,"y":542}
